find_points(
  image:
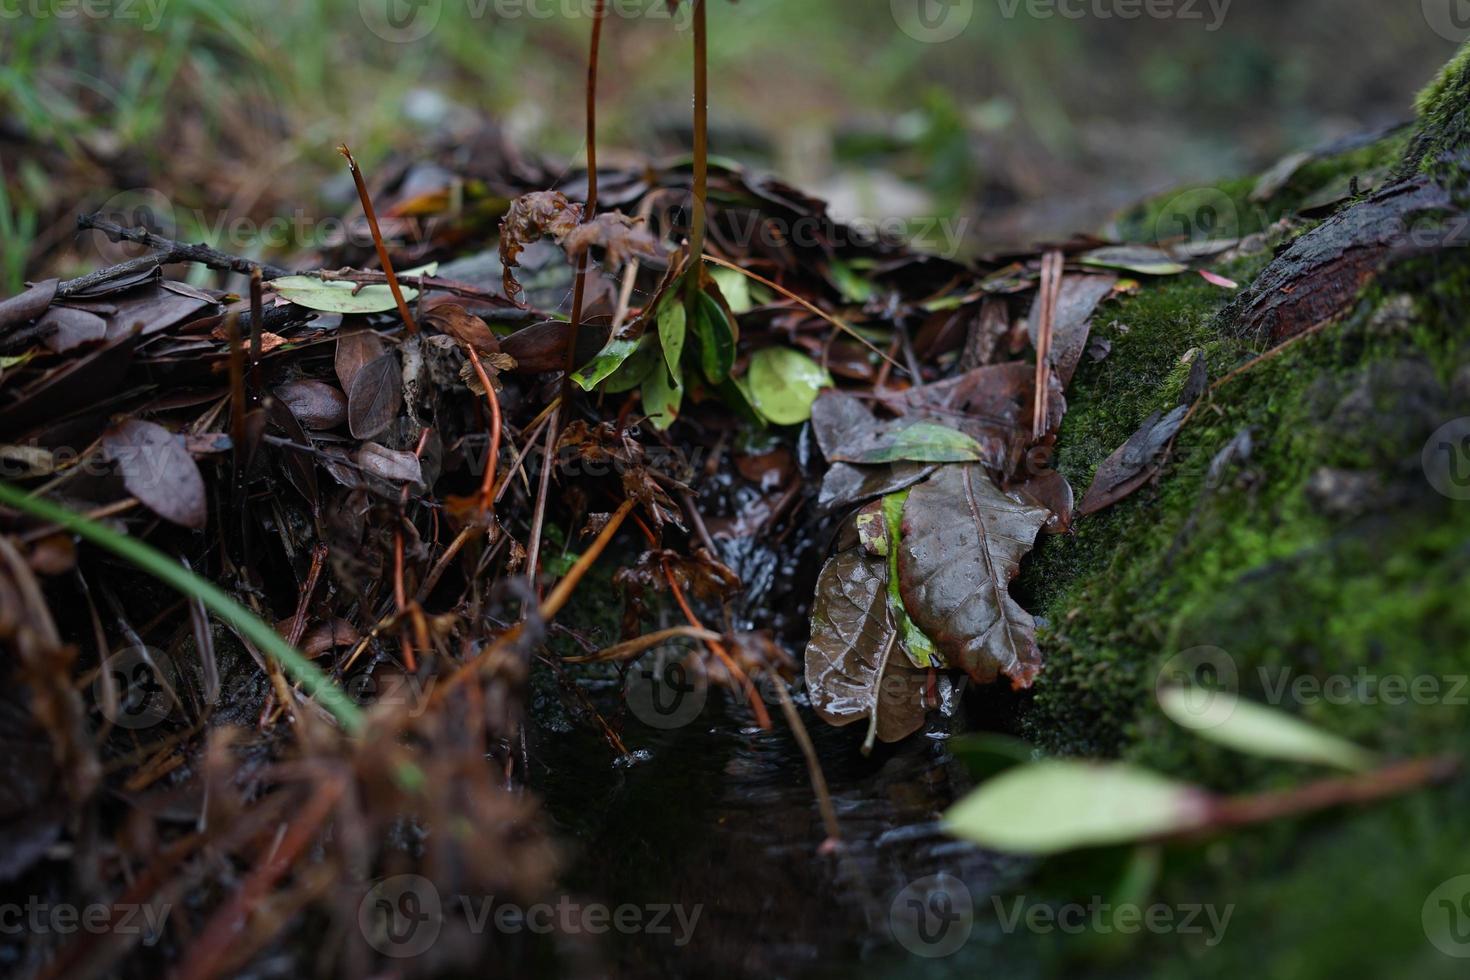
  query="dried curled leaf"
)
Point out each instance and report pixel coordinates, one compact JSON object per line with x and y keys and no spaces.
{"x":622,"y":238}
{"x":530,"y":217}
{"x":463,"y":326}
{"x":963,"y":541}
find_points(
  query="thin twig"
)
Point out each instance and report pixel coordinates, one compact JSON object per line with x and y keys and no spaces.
{"x":589,"y":212}
{"x":633,"y":649}
{"x":813,"y":767}
{"x":372,"y":220}
{"x":1047,"y":296}
{"x":837,"y":322}
{"x":487,"y":485}
{"x":169,"y":251}
{"x":538,"y":517}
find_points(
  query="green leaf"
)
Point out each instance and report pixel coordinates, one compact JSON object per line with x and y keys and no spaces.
{"x":735,"y":392}
{"x":922,"y":442}
{"x":662,"y":396}
{"x":671,"y":330}
{"x":716,"y":336}
{"x":607,"y":361}
{"x":1059,"y":805}
{"x":346,"y":297}
{"x":1258,"y":730}
{"x":735,"y":288}
{"x":854,"y":288}
{"x":783,"y":383}
{"x":1141,"y":259}
{"x":916,"y":643}
{"x":636,"y":369}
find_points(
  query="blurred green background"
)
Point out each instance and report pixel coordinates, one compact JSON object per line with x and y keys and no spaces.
{"x":1036,"y":118}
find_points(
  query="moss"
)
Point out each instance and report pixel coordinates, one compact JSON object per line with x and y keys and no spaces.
{"x":1297,"y":586}
{"x":1224,"y":209}
{"x":1439,"y":146}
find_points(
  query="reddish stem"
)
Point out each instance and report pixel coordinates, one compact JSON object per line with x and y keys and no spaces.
{"x":372,"y":220}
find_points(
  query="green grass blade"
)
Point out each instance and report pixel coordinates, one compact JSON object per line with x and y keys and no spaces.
{"x":170,"y":572}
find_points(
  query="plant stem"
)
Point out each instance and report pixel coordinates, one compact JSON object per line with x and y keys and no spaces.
{"x":372,"y":220}
{"x":579,"y":291}
{"x":171,"y":573}
{"x":695,"y":278}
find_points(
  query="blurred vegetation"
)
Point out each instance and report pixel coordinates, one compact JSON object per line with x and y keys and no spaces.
{"x":1035,"y":125}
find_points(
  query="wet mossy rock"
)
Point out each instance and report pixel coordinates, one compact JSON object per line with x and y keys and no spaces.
{"x":1294,"y":528}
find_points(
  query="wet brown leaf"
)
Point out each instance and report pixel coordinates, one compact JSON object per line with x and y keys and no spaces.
{"x":158,"y":470}
{"x":854,"y":670}
{"x":375,"y":396}
{"x":462,"y":326}
{"x":389,"y":464}
{"x":26,"y":306}
{"x":63,"y":328}
{"x":356,"y":348}
{"x":316,"y":404}
{"x":1134,"y":463}
{"x":1072,"y":322}
{"x":963,"y":541}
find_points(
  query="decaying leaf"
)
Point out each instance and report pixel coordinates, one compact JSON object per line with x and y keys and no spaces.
{"x":963,"y":541}
{"x":316,"y":404}
{"x":530,"y":217}
{"x":621,"y":237}
{"x":336,"y":296}
{"x":1134,"y":463}
{"x":375,"y":396}
{"x":919,"y":442}
{"x":1072,"y":320}
{"x":463,"y":326}
{"x":1142,"y":259}
{"x":158,"y":470}
{"x":63,"y":328}
{"x":993,"y":405}
{"x":390,"y":464}
{"x":354,"y":349}
{"x":853,"y":670}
